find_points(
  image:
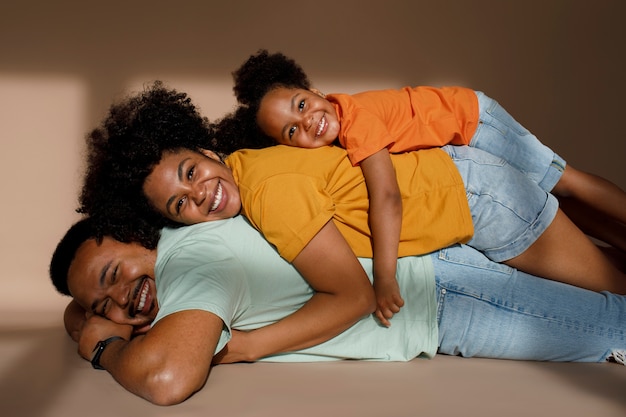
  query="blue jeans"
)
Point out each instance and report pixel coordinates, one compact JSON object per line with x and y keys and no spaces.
{"x":490,"y":310}
{"x":509,"y":211}
{"x":500,"y":134}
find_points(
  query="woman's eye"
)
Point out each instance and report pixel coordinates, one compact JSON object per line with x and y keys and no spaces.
{"x":190,"y":173}
{"x":180,"y":203}
{"x":301,"y":105}
{"x":292,"y":131}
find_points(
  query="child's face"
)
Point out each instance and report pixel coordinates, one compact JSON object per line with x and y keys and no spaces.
{"x":298,"y":117}
{"x":191,"y":187}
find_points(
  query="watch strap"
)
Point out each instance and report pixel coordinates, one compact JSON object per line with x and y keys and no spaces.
{"x":100,"y":346}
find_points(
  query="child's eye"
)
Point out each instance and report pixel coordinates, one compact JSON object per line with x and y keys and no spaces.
{"x":301,"y":105}
{"x":292,"y":131}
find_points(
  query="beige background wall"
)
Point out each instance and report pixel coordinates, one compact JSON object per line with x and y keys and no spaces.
{"x":554,"y":64}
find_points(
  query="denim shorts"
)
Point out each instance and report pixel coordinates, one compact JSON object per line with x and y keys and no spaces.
{"x":500,"y":134}
{"x":486,"y":309}
{"x":509,"y":211}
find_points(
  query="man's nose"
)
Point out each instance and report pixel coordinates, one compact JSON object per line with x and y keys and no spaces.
{"x":119,"y":293}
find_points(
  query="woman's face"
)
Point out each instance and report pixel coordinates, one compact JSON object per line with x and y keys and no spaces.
{"x":191,"y":187}
{"x":298,"y":117}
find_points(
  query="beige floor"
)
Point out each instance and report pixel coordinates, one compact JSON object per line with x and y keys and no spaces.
{"x":41,"y":375}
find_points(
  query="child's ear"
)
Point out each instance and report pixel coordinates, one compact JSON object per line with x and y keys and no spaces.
{"x":318,"y":92}
{"x":210,"y":154}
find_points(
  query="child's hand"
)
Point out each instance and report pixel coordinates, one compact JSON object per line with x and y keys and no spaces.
{"x":388,"y":300}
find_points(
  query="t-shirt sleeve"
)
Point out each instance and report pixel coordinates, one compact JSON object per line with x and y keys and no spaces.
{"x":195,"y":277}
{"x":363,"y":132}
{"x":289,"y":210}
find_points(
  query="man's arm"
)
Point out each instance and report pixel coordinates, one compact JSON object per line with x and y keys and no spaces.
{"x":167,"y":364}
{"x":74,"y":319}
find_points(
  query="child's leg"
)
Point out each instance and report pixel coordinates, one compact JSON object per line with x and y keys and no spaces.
{"x":595,"y":223}
{"x":500,"y":134}
{"x":553,"y":253}
{"x":518,"y":223}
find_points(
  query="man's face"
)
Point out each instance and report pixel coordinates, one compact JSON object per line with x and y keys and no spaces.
{"x":115,"y":280}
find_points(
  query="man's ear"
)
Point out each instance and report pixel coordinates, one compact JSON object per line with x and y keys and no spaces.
{"x":318,"y":92}
{"x":210,"y":154}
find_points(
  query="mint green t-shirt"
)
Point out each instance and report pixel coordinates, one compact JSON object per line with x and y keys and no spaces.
{"x":227,"y":268}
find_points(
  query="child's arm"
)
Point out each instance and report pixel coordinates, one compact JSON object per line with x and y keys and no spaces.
{"x":385,"y":218}
{"x":343,"y":296}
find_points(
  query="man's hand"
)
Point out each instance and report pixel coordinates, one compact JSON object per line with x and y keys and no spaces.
{"x":96,"y":328}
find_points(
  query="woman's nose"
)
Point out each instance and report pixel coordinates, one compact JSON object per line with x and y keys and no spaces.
{"x":198,"y":194}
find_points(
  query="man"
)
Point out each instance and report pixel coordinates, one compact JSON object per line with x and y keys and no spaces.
{"x":215,"y":277}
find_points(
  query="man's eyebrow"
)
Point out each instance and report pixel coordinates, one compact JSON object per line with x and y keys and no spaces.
{"x":180,"y":178}
{"x":103,"y":274}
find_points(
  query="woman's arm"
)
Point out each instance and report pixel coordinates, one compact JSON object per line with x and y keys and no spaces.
{"x":385,"y":218}
{"x":167,"y":364}
{"x":343,"y":296}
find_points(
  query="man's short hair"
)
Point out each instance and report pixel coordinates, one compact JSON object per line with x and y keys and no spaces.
{"x":65,"y":252}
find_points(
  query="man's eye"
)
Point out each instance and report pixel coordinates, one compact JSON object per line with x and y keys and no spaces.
{"x":114,"y":275}
{"x":292,"y":131}
{"x":301,"y":105}
{"x":105,"y":308}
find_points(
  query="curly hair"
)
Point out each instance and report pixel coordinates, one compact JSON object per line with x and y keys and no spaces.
{"x":258,"y":75}
{"x":263,"y":72}
{"x":123,"y":151}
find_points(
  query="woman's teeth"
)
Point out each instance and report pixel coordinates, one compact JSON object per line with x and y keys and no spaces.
{"x":218,"y":197}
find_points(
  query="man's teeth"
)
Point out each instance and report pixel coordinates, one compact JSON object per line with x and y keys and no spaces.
{"x":142,"y":297}
{"x":218,"y":197}
{"x":320,"y":126}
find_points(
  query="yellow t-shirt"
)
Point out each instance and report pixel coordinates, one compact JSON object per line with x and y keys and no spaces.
{"x":290,"y":193}
{"x":405,"y":119}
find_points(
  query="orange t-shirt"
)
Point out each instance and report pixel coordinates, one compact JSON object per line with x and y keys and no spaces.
{"x":404,"y":120}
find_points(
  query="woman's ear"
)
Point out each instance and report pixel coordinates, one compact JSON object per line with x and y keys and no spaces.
{"x":318,"y":92}
{"x":210,"y":154}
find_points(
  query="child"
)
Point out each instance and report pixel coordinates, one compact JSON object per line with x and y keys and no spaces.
{"x":371,"y":125}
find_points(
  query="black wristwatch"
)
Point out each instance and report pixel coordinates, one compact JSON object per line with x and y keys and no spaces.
{"x":95,"y":361}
